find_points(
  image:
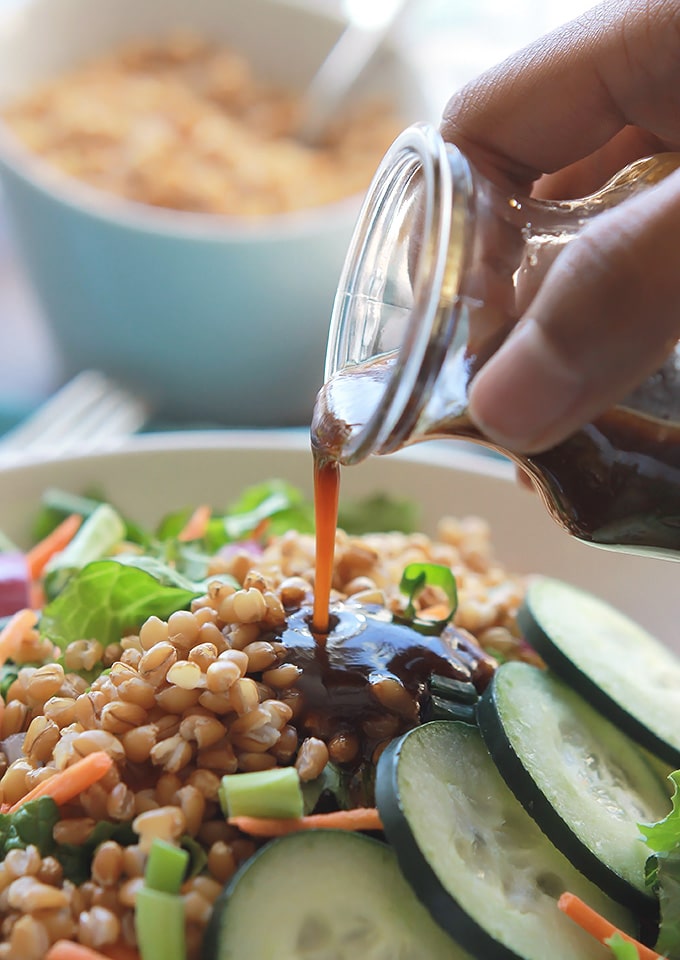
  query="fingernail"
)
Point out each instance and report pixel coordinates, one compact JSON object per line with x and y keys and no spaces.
{"x":522,"y":397}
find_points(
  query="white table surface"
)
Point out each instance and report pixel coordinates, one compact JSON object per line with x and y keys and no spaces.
{"x":450,"y":41}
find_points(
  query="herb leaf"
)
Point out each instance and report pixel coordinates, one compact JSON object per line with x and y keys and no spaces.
{"x":415,"y":578}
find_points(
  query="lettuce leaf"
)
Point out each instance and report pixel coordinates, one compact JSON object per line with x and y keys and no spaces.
{"x":277,"y":502}
{"x":378,"y":514}
{"x":34,"y":822}
{"x":76,"y":859}
{"x":664,"y":836}
{"x":31,"y":824}
{"x":109,"y":598}
{"x":662,"y":870}
{"x":668,"y":888}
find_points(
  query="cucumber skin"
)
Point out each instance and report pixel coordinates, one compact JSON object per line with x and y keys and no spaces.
{"x":422,"y":879}
{"x":541,"y":810}
{"x":568,"y":671}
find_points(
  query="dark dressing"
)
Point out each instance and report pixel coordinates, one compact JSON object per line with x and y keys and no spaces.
{"x":367,"y":677}
{"x":364,"y":678}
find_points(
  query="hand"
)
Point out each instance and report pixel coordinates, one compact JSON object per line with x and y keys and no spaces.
{"x":558,"y":119}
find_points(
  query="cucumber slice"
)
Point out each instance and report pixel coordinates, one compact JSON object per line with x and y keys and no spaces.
{"x":324,"y":895}
{"x":475,"y":857}
{"x":613,"y":662}
{"x":582,"y":780}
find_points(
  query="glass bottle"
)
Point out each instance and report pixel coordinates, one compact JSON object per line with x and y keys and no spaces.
{"x":439,"y":270}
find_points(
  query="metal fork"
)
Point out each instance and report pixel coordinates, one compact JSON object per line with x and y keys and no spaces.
{"x":91,"y":412}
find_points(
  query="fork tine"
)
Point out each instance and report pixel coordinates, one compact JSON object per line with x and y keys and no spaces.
{"x":95,"y":414}
{"x":106,"y":419}
{"x":89,"y":411}
{"x":63,"y":407}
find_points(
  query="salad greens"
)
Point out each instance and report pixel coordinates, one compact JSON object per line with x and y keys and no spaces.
{"x":97,"y":591}
{"x":99,"y":535}
{"x":115,"y":574}
{"x":663,"y":870}
{"x":33,"y":823}
{"x":108,"y":598}
{"x":378,"y":514}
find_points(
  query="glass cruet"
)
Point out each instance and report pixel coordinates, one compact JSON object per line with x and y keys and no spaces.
{"x":440,"y":268}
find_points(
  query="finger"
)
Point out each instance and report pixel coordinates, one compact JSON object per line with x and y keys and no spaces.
{"x":589,"y":174}
{"x":605,"y":318}
{"x":568,"y":93}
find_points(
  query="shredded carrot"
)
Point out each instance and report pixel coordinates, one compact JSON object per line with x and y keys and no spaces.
{"x":438,"y":611}
{"x":69,"y":950}
{"x":14,"y":632}
{"x":196,"y":525}
{"x":260,"y":530}
{"x":70,"y":782}
{"x":37,"y":597}
{"x":361,"y":818}
{"x":40,"y":555}
{"x":598,"y":926}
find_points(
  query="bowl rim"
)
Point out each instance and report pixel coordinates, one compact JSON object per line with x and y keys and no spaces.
{"x":449,"y":454}
{"x":168,"y":222}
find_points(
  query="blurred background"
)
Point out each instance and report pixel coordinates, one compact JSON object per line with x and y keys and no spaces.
{"x":446,"y":41}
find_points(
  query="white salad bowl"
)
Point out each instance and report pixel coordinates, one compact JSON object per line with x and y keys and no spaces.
{"x":458,"y":842}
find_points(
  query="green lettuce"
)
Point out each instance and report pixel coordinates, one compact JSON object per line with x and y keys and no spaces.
{"x":378,"y":514}
{"x":109,"y":598}
{"x":281,"y":505}
{"x":33,"y":824}
{"x":662,"y":871}
{"x":76,"y":859}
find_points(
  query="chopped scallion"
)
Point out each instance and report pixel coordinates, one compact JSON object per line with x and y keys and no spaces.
{"x":262,"y":793}
{"x":159,"y":925}
{"x":166,"y":867}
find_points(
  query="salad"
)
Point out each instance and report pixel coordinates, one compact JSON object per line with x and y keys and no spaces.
{"x":467,"y":765}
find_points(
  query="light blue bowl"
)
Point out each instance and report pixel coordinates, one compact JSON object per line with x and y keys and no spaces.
{"x":211,"y":318}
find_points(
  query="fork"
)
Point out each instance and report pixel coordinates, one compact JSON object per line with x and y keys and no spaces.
{"x":91,"y":412}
